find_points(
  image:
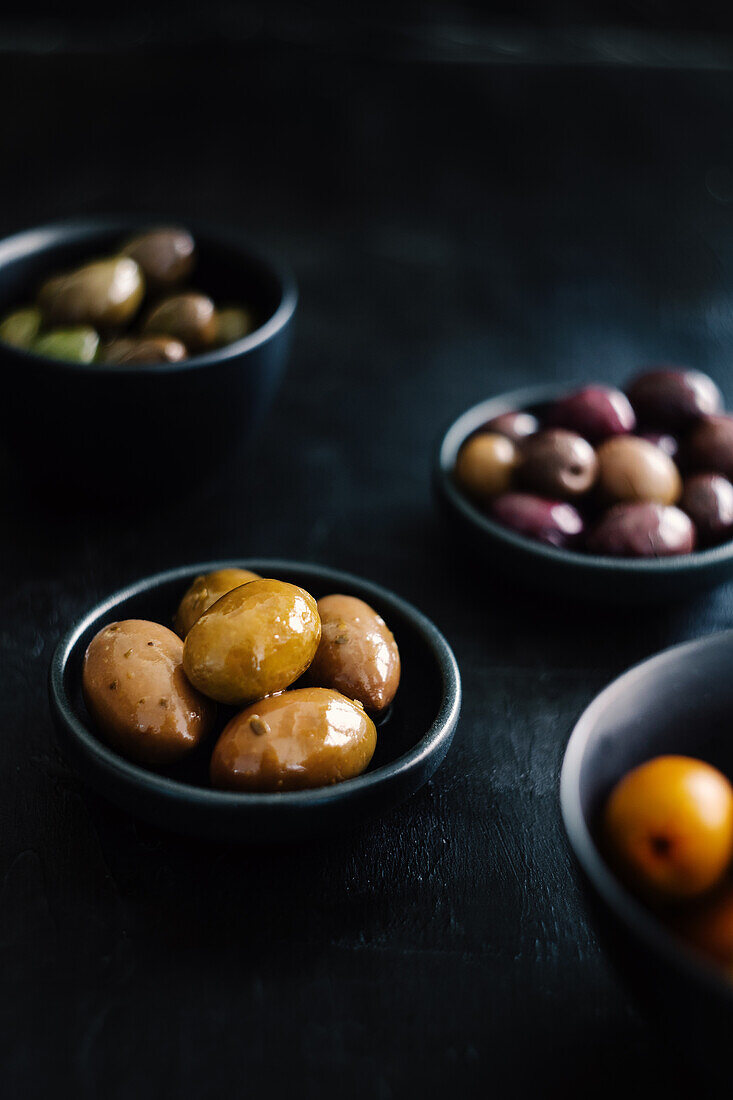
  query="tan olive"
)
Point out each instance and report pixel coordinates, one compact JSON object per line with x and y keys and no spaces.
{"x":252,"y":642}
{"x":138,"y":695}
{"x":357,"y":655}
{"x":20,"y":328}
{"x":166,"y":255}
{"x":633,"y":469}
{"x":144,"y":349}
{"x":485,"y":465}
{"x":206,"y":590}
{"x":103,"y":293}
{"x":232,"y":323}
{"x":311,"y":737}
{"x":188,"y":317}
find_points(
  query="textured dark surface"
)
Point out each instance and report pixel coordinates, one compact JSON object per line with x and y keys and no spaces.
{"x":457,"y":229}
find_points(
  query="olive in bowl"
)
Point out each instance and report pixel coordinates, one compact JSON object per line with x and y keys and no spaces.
{"x":647,"y":806}
{"x":108,"y":424}
{"x":411,"y":735}
{"x":626,"y":538}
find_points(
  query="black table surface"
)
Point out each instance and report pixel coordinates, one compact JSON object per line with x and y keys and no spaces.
{"x":457,"y":227}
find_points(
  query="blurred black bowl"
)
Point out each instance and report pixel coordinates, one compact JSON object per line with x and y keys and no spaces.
{"x":680,"y":701}
{"x":123,"y":430}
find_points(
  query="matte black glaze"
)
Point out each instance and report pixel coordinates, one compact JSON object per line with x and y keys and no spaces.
{"x":617,"y":580}
{"x":123,"y":429}
{"x":680,"y":701}
{"x":411,"y":743}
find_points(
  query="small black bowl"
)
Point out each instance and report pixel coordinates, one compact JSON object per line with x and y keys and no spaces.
{"x":123,"y":429}
{"x":411,"y":743}
{"x":678,"y":702}
{"x":583,"y":576}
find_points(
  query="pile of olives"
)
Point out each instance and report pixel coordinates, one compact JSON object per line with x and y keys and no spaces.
{"x":306,"y":682}
{"x":645,"y":473}
{"x":667,"y":828}
{"x":132,"y":307}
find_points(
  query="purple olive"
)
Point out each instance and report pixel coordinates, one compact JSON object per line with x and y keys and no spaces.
{"x":666,"y":443}
{"x":642,"y":530}
{"x":708,"y":501}
{"x":514,"y":425}
{"x":595,"y":412}
{"x":668,"y":398}
{"x":709,"y":446}
{"x":550,"y":521}
{"x":556,"y":463}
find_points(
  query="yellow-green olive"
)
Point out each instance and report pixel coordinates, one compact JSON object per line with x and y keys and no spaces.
{"x":73,"y":345}
{"x":357,"y":654}
{"x":232,"y":323}
{"x":485,"y":465}
{"x":21,"y":327}
{"x":144,"y":349}
{"x":190,"y":318}
{"x":166,"y":255}
{"x":252,"y":642}
{"x":205,"y":591}
{"x":104,"y":293}
{"x":310,"y":737}
{"x":137,"y":693}
{"x":633,"y":469}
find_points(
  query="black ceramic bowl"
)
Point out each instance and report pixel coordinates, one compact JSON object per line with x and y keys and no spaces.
{"x":127,"y":428}
{"x":411,"y":742}
{"x":618,"y":580}
{"x":680,"y":701}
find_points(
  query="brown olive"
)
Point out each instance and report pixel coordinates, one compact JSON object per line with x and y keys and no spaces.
{"x":634,"y":469}
{"x":709,"y":446}
{"x":310,"y":737}
{"x":708,"y":501}
{"x":556,"y":463}
{"x":205,"y":591}
{"x":642,"y":529}
{"x":189,"y":317}
{"x":669,"y":398}
{"x":357,"y":655}
{"x":485,"y":465}
{"x":144,"y":349}
{"x":514,"y":425}
{"x":166,"y":255}
{"x":104,"y":293}
{"x":136,"y":692}
{"x":232,"y":323}
{"x":255,"y":640}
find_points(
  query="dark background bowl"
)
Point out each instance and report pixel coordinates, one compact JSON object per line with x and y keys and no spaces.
{"x":412,"y":740}
{"x":680,"y":701}
{"x":624,"y":580}
{"x":120,"y":430}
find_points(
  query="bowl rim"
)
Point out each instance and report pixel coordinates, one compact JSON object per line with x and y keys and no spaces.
{"x":39,"y":238}
{"x":627,"y":908}
{"x":439,"y":733}
{"x":463,"y":425}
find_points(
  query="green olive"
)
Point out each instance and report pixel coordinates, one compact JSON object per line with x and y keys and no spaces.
{"x":73,"y":345}
{"x":188,"y":317}
{"x":254,"y":641}
{"x":21,"y":327}
{"x":144,"y":349}
{"x":103,"y":293}
{"x":166,"y":255}
{"x":232,"y":323}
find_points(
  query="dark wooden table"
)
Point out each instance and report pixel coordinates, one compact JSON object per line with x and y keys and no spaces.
{"x":457,"y":227}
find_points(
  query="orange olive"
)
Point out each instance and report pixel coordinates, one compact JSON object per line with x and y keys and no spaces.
{"x":485,"y":464}
{"x":668,"y":826}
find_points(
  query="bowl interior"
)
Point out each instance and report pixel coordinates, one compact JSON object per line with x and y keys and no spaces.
{"x":224,"y":270}
{"x":418,"y":705}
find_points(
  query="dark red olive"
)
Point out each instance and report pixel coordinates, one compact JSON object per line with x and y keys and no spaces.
{"x":595,"y":412}
{"x":642,"y":530}
{"x":556,"y":463}
{"x":668,"y":398}
{"x":709,"y":446}
{"x":514,"y":425}
{"x":708,"y":501}
{"x":666,"y":443}
{"x":553,"y":522}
